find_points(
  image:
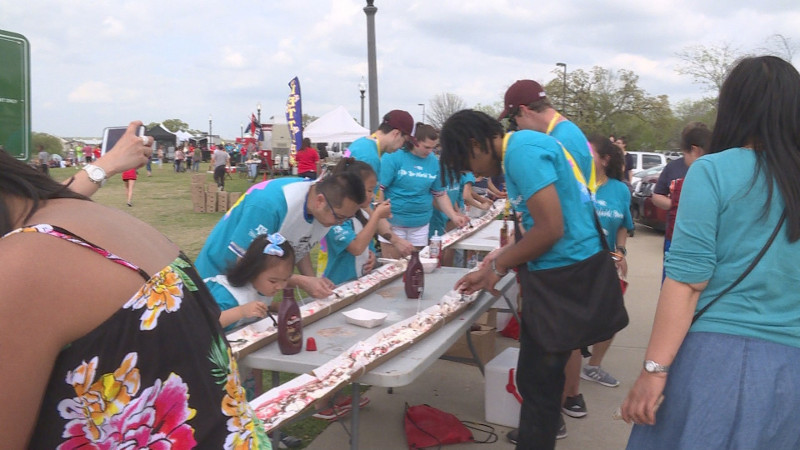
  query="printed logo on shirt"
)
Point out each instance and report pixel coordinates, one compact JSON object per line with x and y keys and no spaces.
{"x":403,"y":172}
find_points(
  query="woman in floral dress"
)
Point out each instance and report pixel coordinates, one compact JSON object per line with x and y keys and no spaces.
{"x":127,"y":351}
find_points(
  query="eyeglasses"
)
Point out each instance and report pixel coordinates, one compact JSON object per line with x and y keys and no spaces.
{"x":339,"y":219}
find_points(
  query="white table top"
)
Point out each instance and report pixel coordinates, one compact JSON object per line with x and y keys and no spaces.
{"x":334,"y":335}
{"x":484,"y":240}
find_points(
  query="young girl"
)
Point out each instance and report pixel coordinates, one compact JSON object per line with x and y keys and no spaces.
{"x":351,"y":251}
{"x":244,"y":291}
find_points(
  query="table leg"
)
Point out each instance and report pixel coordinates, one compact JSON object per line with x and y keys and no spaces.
{"x":474,"y":353}
{"x":355,"y":399}
{"x":276,"y":433}
{"x":512,"y":308}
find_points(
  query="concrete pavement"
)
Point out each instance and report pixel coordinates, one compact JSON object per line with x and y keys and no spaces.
{"x":459,"y":389}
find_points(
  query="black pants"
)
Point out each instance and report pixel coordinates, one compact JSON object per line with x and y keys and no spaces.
{"x":311,"y":175}
{"x":219,"y":176}
{"x":44,"y":168}
{"x":540,"y":380}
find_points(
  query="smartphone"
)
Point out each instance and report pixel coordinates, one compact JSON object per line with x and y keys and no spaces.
{"x":112,"y":135}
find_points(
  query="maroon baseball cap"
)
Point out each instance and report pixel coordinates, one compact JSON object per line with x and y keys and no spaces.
{"x":522,"y":92}
{"x":402,"y":120}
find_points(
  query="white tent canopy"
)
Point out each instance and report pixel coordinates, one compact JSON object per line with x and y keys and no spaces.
{"x":183,"y":136}
{"x":335,"y":126}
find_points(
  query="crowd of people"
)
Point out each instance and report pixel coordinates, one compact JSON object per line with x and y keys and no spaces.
{"x":719,"y":370}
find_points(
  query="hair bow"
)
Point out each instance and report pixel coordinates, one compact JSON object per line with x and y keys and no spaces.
{"x":273,"y":248}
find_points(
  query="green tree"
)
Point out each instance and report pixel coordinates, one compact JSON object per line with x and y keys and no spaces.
{"x":173,"y":125}
{"x":50,"y":143}
{"x":708,"y":66}
{"x":307,"y":119}
{"x":493,"y":110}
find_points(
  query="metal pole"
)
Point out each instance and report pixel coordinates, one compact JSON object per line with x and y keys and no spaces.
{"x":258,"y":107}
{"x":362,"y":87}
{"x":563,"y":88}
{"x":241,"y":130}
{"x":423,"y":111}
{"x":370,"y":10}
{"x":208,"y":144}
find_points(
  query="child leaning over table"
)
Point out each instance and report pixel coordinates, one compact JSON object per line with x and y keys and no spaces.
{"x":246,"y":288}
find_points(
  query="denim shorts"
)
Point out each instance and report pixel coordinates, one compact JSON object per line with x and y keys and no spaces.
{"x":726,"y":391}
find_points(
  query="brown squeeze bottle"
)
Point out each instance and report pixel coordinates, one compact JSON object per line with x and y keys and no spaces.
{"x":414,"y":277}
{"x":290,"y":325}
{"x":504,"y":232}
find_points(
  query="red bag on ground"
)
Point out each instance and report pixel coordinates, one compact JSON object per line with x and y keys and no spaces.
{"x":427,"y":426}
{"x":512,"y":329}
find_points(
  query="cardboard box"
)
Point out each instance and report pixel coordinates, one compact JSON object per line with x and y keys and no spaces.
{"x":222,"y":201}
{"x":489,"y":318}
{"x":233,"y":197}
{"x":482,"y":337}
{"x":500,"y":405}
{"x":198,"y":188}
{"x":211,"y":201}
{"x":198,"y":178}
{"x":198,"y":201}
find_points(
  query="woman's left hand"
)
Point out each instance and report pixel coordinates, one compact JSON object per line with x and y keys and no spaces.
{"x":370,"y":264}
{"x":460,"y":220}
{"x":644,"y":398}
{"x":622,"y":267}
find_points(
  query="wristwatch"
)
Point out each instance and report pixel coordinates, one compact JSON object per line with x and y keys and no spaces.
{"x":651,"y":366}
{"x":622,"y":250}
{"x":494,"y":269}
{"x":96,"y":174}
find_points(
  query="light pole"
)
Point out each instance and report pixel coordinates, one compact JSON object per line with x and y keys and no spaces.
{"x":563,"y":88}
{"x":362,"y":87}
{"x":423,"y":111}
{"x":258,"y":107}
{"x":208,"y":144}
{"x":370,"y":10}
{"x":241,"y":130}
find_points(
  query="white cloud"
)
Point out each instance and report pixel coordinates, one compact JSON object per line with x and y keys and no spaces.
{"x":113,"y":27}
{"x":91,"y":92}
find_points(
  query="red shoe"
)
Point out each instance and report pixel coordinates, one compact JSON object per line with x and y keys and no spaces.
{"x":340,"y":409}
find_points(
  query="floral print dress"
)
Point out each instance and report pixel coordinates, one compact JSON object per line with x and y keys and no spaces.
{"x":157,"y":374}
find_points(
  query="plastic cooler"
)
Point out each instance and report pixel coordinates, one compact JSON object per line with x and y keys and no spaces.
{"x":502,"y":401}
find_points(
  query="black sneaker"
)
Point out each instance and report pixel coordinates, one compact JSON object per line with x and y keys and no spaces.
{"x":575,"y":406}
{"x":562,"y":428}
{"x":513,"y":435}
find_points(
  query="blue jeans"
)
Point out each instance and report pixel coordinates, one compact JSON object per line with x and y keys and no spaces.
{"x":540,"y":380}
{"x":726,"y":391}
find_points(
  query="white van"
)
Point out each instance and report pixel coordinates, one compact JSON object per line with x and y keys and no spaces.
{"x":646,"y":160}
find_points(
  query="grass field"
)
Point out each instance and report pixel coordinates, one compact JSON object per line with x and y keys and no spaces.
{"x":164,"y":201}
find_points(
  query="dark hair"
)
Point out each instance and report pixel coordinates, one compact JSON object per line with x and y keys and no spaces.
{"x":306,"y":142}
{"x":697,"y":134}
{"x":255,"y":261}
{"x":352,"y":165}
{"x":20,"y":180}
{"x":540,"y":105}
{"x":623,"y":139}
{"x":759,"y":106}
{"x":603,"y":147}
{"x":340,"y":186}
{"x":458,"y":133}
{"x":424,"y":131}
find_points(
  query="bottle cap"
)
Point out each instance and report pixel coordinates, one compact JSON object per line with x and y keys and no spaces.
{"x":311,"y":345}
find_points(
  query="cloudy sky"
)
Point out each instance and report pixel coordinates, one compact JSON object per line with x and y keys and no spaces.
{"x":103,"y":63}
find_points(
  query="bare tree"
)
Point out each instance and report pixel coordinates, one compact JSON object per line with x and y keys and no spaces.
{"x":442,"y":106}
{"x":781,"y":46}
{"x":708,"y":65}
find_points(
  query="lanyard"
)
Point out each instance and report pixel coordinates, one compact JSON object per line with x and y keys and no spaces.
{"x":377,"y":143}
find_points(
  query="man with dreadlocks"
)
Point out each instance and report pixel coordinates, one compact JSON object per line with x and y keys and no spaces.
{"x":542,"y":187}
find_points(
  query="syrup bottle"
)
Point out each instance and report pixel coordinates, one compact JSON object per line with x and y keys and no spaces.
{"x":435,"y":247}
{"x":504,"y":232}
{"x":414,"y":277}
{"x":290,"y":324}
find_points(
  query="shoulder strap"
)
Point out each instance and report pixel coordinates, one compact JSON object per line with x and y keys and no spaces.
{"x":747,"y":271}
{"x":66,"y":235}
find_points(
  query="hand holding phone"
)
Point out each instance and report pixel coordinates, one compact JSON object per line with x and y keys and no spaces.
{"x":130,"y":151}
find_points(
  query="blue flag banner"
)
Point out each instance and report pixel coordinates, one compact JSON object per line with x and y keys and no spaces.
{"x":294,"y":116}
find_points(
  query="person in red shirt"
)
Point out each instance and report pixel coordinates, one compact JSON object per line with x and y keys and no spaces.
{"x":307,"y":161}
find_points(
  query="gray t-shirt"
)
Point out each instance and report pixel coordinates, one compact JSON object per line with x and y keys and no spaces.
{"x":220,"y":157}
{"x":43,"y":157}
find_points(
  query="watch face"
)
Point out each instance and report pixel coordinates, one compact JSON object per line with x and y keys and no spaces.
{"x":649,"y":366}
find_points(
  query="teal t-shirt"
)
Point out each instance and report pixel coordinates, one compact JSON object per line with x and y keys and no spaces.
{"x":366,"y":149}
{"x":719,"y":230}
{"x":573,"y":139}
{"x":534,"y":161}
{"x":341,"y":265}
{"x":261,"y":209}
{"x":410,"y":182}
{"x":455,"y":192}
{"x":613,"y":205}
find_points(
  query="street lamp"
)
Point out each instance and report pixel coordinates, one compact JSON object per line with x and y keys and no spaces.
{"x":208,"y":144}
{"x":241,"y":130}
{"x":423,"y":111}
{"x":258,"y":107}
{"x":372,"y":65}
{"x":563,"y":88}
{"x":362,"y":87}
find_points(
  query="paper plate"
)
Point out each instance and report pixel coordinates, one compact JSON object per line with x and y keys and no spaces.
{"x":364,"y":317}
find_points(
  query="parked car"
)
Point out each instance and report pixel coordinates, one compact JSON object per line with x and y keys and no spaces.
{"x":642,"y":208}
{"x":646,"y":160}
{"x":673,"y":155}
